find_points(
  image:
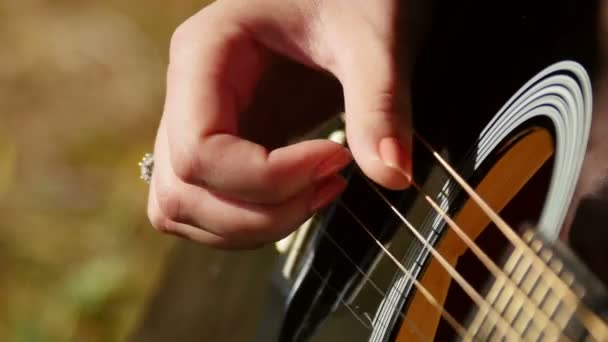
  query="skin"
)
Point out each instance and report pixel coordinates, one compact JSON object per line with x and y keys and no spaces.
{"x":246,"y":76}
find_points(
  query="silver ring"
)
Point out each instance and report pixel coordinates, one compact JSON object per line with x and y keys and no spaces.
{"x":146,"y":166}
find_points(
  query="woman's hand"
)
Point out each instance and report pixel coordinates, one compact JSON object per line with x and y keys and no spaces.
{"x":237,"y":88}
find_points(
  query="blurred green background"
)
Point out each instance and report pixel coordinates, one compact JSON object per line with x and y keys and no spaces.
{"x":81,"y":92}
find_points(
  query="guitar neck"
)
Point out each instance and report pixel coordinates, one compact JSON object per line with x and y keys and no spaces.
{"x":561,"y":298}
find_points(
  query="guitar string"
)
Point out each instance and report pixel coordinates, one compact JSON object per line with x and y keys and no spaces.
{"x":449,"y":194}
{"x":483,"y":304}
{"x":499,"y":274}
{"x":591,"y":319}
{"x":596,"y":326}
{"x":429,"y":297}
{"x":450,"y":189}
{"x":594,"y":320}
{"x":462,"y":282}
{"x":392,"y":257}
{"x":354,"y":311}
{"x":314,"y":300}
{"x":492,"y":267}
{"x":371,"y":326}
{"x":428,"y":223}
{"x":408,"y":275}
{"x":455,"y":325}
{"x":432,"y":300}
{"x":337,"y":293}
{"x":367,"y":279}
{"x":348,"y":307}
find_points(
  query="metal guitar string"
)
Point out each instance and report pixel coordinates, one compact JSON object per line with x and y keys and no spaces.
{"x":352,"y":311}
{"x":356,"y":315}
{"x":350,"y":308}
{"x":455,"y":325}
{"x":431,"y":299}
{"x":570,"y":67}
{"x":448,"y":192}
{"x":498,"y":273}
{"x":588,"y":318}
{"x":561,"y":93}
{"x":473,"y":294}
{"x":566,"y":100}
{"x":452,"y":183}
{"x":400,"y":294}
{"x":492,"y":267}
{"x":429,"y":227}
{"x":367,"y":279}
{"x":464,"y":284}
{"x":571,"y":299}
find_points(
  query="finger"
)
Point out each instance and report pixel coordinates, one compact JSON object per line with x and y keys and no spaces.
{"x":234,"y":219}
{"x":246,"y":171}
{"x":378,"y":124}
{"x":209,"y":82}
{"x":163,"y":224}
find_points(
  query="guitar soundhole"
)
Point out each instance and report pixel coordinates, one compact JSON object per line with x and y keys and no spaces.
{"x":524,"y":208}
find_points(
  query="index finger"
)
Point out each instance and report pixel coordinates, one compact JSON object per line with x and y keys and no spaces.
{"x":211,"y":77}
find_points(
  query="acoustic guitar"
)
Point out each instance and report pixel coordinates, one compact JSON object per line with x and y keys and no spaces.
{"x":475,"y":249}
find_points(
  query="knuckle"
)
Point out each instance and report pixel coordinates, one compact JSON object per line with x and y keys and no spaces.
{"x":186,"y":166}
{"x":165,"y":226}
{"x":168,"y":228}
{"x":181,"y":40}
{"x":264,"y":222}
{"x":187,"y":36}
{"x":258,"y":226}
{"x":154,"y":215}
{"x":169,"y":203}
{"x":265,"y":187}
{"x":384,"y":102}
{"x":250,"y":229}
{"x":159,"y":221}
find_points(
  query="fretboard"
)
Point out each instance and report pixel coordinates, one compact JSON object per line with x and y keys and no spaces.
{"x":525,"y":302}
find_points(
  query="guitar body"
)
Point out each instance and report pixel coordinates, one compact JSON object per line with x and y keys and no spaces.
{"x":503,"y":92}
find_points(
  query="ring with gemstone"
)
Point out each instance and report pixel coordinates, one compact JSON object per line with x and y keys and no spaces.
{"x":146,"y":166}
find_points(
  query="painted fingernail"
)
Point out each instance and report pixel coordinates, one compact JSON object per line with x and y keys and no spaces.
{"x":333,"y":164}
{"x":394,"y":155}
{"x":326,"y":192}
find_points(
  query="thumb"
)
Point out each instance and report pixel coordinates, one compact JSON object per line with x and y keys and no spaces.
{"x":378,"y":121}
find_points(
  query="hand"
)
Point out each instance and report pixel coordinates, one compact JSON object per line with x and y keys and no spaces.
{"x":221,"y":176}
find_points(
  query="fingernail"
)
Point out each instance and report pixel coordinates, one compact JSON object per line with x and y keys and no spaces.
{"x":326,"y":192}
{"x":333,"y":164}
{"x":394,"y":155}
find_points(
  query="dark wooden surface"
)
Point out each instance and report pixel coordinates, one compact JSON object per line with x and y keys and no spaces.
{"x":207,"y":295}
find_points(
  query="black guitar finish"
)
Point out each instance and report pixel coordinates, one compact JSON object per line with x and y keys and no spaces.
{"x":331,"y":276}
{"x":477,"y":54}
